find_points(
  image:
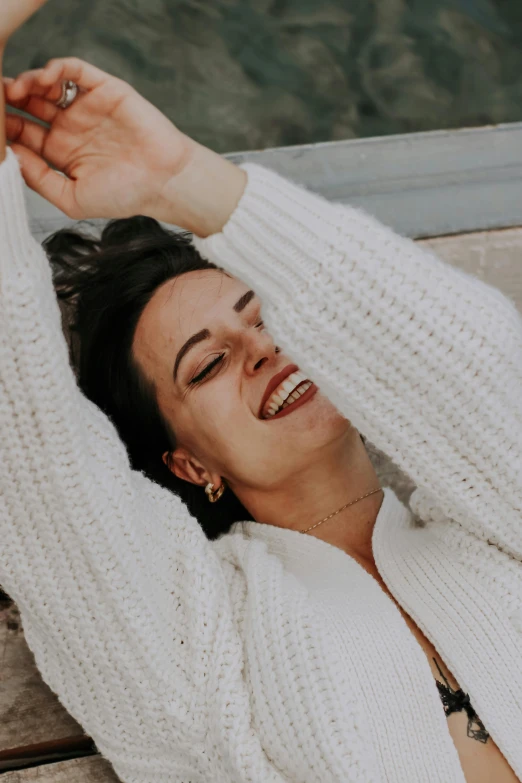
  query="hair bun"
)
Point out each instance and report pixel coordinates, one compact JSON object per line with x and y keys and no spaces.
{"x":124,"y":229}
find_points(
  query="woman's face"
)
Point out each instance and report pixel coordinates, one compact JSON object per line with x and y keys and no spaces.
{"x":208,"y":322}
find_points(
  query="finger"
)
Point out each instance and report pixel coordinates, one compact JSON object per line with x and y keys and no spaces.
{"x":47,"y":81}
{"x":54,"y":187}
{"x":36,"y":82}
{"x":22,"y":131}
{"x":86,"y":76}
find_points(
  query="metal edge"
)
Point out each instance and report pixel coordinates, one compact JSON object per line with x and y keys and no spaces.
{"x":422,"y":184}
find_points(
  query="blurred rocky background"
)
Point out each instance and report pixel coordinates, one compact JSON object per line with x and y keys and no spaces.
{"x":250,"y":74}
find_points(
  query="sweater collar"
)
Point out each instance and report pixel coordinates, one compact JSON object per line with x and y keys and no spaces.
{"x":293,"y":546}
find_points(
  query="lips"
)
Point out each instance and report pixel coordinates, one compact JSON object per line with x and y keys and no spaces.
{"x":274,"y":383}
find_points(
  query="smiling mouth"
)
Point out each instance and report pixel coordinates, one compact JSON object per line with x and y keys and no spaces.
{"x":290,"y":393}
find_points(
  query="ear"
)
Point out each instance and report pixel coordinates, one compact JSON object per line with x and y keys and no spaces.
{"x":186,"y":466}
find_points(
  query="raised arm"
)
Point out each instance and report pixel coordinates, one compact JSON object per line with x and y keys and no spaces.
{"x":123,"y":600}
{"x":423,"y":358}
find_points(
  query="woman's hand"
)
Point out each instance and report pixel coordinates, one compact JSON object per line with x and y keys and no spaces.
{"x":120,"y":155}
{"x":116,"y":149}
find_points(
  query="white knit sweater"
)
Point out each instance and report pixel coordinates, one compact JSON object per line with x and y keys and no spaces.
{"x":268,"y":655}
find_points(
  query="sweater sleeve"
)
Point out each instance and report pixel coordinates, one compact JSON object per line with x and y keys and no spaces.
{"x":123,"y":600}
{"x":423,"y":358}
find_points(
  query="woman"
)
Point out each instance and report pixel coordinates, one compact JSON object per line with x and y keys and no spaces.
{"x":324,"y":639}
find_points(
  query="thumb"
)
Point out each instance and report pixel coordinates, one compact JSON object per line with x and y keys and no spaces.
{"x":50,"y":184}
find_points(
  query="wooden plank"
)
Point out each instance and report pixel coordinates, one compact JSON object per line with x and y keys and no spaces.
{"x":421,"y":184}
{"x":30,"y":712}
{"x":493,"y":256}
{"x":94,"y":769}
{"x":46,"y":753}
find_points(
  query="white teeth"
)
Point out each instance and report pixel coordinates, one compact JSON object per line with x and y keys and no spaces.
{"x":285,"y":396}
{"x":288,"y":387}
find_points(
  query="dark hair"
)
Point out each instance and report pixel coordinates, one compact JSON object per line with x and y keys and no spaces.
{"x":103,"y":285}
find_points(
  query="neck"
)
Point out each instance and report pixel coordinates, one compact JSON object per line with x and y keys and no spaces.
{"x":338,"y":476}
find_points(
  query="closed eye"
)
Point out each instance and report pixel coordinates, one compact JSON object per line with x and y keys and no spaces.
{"x":210,"y":366}
{"x":206,"y":370}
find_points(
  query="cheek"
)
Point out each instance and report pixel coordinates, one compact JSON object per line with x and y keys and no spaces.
{"x":215,"y":423}
{"x":218,"y":407}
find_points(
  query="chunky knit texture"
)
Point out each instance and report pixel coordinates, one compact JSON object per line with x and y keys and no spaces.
{"x":268,"y":655}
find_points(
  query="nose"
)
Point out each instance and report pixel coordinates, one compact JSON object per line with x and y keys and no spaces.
{"x":260,"y":350}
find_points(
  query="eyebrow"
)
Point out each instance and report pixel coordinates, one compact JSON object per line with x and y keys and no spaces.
{"x":243,"y":301}
{"x":204,"y":334}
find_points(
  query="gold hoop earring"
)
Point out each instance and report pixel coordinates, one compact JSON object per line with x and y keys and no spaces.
{"x":213,"y":496}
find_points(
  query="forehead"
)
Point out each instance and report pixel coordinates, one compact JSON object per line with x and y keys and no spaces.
{"x":179,"y":308}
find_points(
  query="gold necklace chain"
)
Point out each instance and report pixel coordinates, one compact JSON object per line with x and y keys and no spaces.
{"x":379,"y":489}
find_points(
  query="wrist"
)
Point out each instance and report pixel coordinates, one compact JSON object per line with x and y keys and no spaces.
{"x":202,"y":195}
